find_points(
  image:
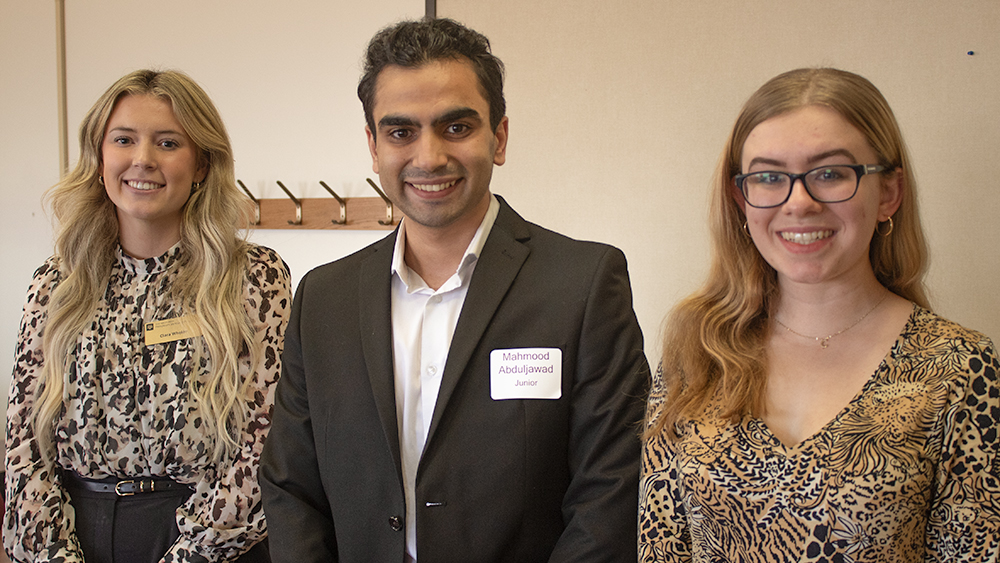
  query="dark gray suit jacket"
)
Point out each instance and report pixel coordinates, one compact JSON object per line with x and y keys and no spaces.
{"x":513,"y":480}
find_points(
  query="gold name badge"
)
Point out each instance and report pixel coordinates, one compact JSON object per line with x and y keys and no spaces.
{"x":169,"y":330}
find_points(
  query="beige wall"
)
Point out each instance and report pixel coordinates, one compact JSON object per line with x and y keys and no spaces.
{"x":618,"y":111}
{"x":283,"y":75}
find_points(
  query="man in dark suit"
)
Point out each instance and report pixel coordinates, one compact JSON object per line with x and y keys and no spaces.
{"x":470,"y":388}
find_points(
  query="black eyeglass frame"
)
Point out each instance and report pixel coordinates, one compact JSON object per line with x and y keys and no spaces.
{"x":859,"y":170}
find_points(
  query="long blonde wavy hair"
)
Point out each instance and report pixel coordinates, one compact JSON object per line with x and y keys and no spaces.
{"x":714,"y":341}
{"x":211,"y":270}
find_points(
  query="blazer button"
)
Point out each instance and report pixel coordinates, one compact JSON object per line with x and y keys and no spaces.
{"x":396,"y":523}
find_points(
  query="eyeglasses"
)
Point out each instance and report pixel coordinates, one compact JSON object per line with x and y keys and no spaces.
{"x":826,"y":184}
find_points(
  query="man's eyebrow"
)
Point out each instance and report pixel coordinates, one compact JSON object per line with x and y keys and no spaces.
{"x":447,"y":117}
{"x":456,"y":114}
{"x":396,"y":121}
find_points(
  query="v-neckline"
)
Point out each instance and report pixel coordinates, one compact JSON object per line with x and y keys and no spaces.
{"x":794,"y":450}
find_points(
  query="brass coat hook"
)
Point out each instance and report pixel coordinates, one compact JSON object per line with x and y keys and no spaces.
{"x":298,"y":205}
{"x":343,"y":205}
{"x":366,"y":213}
{"x":388,"y":204}
{"x":256,"y":204}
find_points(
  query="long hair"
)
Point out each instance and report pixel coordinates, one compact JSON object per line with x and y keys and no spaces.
{"x":714,"y":342}
{"x":211,"y":270}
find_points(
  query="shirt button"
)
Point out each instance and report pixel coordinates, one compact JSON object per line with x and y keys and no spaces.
{"x":432,"y":369}
{"x":396,"y":523}
{"x":435,"y":299}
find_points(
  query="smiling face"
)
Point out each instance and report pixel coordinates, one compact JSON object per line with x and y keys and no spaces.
{"x":148,"y":165}
{"x":433,"y":147}
{"x":803,"y":240}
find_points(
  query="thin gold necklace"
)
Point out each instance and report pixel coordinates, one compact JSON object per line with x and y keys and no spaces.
{"x":824,"y":341}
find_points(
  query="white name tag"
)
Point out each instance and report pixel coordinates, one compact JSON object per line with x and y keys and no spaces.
{"x":526,"y":373}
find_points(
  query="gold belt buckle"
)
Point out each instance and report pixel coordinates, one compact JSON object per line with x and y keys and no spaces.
{"x":118,"y":490}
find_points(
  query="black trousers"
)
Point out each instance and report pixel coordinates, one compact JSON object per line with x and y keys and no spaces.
{"x":134,"y":529}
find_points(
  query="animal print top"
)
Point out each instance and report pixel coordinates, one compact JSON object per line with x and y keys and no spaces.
{"x":128,"y":413}
{"x":908,"y":471}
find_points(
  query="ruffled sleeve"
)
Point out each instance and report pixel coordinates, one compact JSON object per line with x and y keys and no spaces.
{"x":38,"y":516}
{"x":224,"y":517}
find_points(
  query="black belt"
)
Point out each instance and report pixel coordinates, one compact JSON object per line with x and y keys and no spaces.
{"x":124,"y":487}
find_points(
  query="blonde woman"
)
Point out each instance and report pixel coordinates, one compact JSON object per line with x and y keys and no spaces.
{"x":809,"y":406}
{"x":149,"y":347}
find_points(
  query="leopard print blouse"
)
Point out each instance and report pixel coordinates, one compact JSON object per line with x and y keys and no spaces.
{"x":128,"y":413}
{"x":908,"y":471}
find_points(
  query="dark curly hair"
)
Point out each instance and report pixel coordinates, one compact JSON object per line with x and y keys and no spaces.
{"x":412,"y":44}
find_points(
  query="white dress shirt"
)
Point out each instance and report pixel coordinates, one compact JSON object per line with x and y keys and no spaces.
{"x":423,"y":322}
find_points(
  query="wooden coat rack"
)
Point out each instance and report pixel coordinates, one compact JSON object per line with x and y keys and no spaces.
{"x":335,"y":212}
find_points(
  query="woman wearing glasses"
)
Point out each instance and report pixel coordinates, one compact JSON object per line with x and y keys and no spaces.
{"x":809,"y":405}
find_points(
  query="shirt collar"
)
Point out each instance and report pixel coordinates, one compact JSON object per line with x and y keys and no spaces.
{"x":413,"y":282}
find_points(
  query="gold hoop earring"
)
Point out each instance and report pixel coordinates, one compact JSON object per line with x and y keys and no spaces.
{"x":746,"y":229}
{"x":195,"y":186}
{"x":100,"y":180}
{"x":888,"y":232}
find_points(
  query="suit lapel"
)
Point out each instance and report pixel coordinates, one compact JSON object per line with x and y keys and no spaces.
{"x":497,"y":267}
{"x":374,"y":299}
